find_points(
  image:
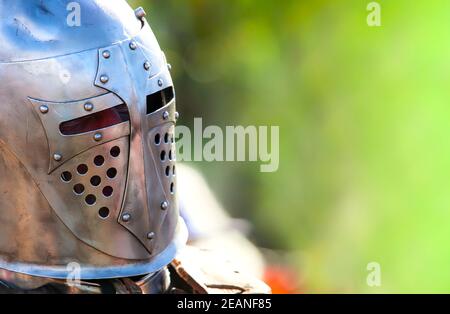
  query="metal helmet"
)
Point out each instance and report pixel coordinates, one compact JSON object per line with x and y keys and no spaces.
{"x":87,"y":153}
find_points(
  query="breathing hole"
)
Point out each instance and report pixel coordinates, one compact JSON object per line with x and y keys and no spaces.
{"x":166,"y":138}
{"x":157,"y":139}
{"x":170,"y":155}
{"x":82,"y":169}
{"x":108,"y":191}
{"x":111,"y":173}
{"x":90,"y":199}
{"x":103,"y":212}
{"x":163,"y":155}
{"x":115,"y":151}
{"x":99,"y":160}
{"x":66,"y":176}
{"x":96,"y":180}
{"x":172,"y":188}
{"x":78,"y":189}
{"x":173,"y":171}
{"x":168,"y":171}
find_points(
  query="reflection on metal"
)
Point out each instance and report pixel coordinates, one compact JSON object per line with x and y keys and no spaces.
{"x":106,"y":54}
{"x":105,"y":272}
{"x":88,"y":106}
{"x":93,"y":197}
{"x":148,"y":186}
{"x":140,"y":13}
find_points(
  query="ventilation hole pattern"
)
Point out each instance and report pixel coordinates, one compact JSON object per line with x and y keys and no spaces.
{"x":93,"y":181}
{"x":164,"y":146}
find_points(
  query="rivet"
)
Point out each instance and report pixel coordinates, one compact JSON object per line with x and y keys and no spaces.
{"x":126,"y":217}
{"x":166,"y":115}
{"x":169,"y":67}
{"x":104,"y":79}
{"x":106,"y":54}
{"x":88,"y":106}
{"x":57,"y":157}
{"x":133,"y":45}
{"x":160,"y":82}
{"x":43,"y":109}
{"x":177,"y":115}
{"x":150,"y":235}
{"x":140,"y":13}
{"x":147,"y":65}
{"x":98,"y":137}
{"x":164,"y":205}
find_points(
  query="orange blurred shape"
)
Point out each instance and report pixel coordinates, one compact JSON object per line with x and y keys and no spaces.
{"x":282,"y":280}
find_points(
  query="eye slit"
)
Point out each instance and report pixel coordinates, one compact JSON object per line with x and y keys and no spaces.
{"x":96,"y":121}
{"x":159,"y":99}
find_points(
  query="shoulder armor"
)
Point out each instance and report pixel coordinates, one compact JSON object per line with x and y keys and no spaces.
{"x":203,"y":272}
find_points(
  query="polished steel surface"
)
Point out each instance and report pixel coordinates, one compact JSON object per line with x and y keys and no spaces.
{"x":113,"y":270}
{"x":70,"y":198}
{"x":131,"y":82}
{"x":70,"y":146}
{"x":37,"y":29}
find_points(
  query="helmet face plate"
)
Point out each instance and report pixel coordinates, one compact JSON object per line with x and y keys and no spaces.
{"x":93,"y":133}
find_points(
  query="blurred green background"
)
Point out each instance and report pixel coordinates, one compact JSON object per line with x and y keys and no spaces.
{"x":364,"y":116}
